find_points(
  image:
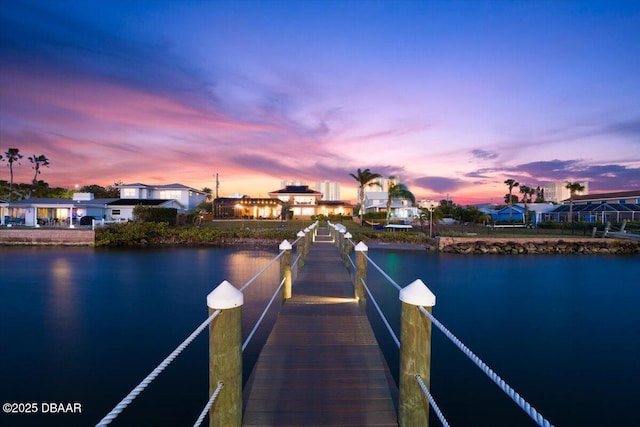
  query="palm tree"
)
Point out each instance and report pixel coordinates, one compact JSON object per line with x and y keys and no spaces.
{"x":364,"y":177}
{"x":573,"y":187}
{"x":13,"y":155}
{"x":398,"y":191}
{"x":527,"y":197}
{"x":511,"y":183}
{"x":38,"y":161}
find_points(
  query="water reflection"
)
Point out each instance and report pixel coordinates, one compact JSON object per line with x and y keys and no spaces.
{"x":61,"y":275}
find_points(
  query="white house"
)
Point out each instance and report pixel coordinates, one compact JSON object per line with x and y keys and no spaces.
{"x":376,"y":201}
{"x":4,"y":211}
{"x":67,"y":212}
{"x":186,"y":197}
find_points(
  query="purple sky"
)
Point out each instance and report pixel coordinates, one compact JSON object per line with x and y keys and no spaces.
{"x":454,"y":97}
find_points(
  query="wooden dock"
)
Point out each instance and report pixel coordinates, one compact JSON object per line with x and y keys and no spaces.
{"x":321,"y":365}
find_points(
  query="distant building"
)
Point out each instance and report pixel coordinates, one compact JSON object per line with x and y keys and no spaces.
{"x":330,"y":190}
{"x":556,"y":192}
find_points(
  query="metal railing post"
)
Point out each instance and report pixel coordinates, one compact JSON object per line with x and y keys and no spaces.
{"x":415,"y":354}
{"x":225,"y":355}
{"x":285,"y":269}
{"x":361,"y":273}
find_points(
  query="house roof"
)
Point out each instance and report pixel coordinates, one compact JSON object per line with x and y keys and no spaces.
{"x":51,"y":202}
{"x":161,"y":187}
{"x":613,"y":195}
{"x":334,"y":203}
{"x":296,"y":189}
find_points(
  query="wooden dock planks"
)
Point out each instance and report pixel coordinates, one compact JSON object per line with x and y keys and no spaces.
{"x":321,"y":365}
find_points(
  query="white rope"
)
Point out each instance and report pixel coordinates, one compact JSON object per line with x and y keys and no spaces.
{"x":385,"y":275}
{"x":432,"y":401}
{"x":157,"y":371}
{"x":209,"y":404}
{"x":264,"y":312}
{"x":384,"y":319}
{"x":506,"y":388}
{"x":246,"y":285}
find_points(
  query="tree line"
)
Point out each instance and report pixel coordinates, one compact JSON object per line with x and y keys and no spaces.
{"x":37,"y":188}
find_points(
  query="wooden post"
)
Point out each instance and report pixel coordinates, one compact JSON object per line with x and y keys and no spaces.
{"x":347,"y":250}
{"x":415,"y":354}
{"x":225,"y":355}
{"x":361,"y":274}
{"x":307,"y":241}
{"x":285,"y":269}
{"x":300,"y":249}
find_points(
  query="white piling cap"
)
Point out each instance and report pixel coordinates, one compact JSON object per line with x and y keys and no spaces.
{"x":225,"y":296}
{"x":361,"y":247}
{"x":300,"y":233}
{"x":418,"y":294}
{"x":347,"y":235}
{"x":285,"y":246}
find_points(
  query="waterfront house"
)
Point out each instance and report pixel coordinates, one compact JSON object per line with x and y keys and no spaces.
{"x":48,"y":211}
{"x":247,"y":207}
{"x":301,"y":200}
{"x":186,"y":197}
{"x":4,"y":211}
{"x":599,"y":208}
{"x":376,"y":201}
{"x":67,"y":212}
{"x":304,"y":202}
{"x":122,"y":209}
{"x":513,"y":213}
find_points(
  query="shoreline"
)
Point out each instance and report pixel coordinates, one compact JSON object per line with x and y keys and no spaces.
{"x":458,"y":245}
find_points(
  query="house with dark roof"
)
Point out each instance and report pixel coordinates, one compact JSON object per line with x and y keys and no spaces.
{"x":303,"y":202}
{"x":612,"y":207}
{"x":247,"y":207}
{"x":187,"y":197}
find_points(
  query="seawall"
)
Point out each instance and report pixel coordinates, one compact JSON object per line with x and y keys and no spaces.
{"x":47,"y":236}
{"x":472,"y":245}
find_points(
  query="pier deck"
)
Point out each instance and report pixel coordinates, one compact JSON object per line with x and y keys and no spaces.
{"x":321,"y":365}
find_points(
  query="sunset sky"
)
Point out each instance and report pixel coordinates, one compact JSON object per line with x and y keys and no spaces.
{"x":454,"y":97}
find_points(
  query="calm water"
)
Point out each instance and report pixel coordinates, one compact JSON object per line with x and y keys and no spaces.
{"x":84,"y":325}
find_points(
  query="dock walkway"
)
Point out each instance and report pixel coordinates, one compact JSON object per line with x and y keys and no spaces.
{"x":321,"y":365}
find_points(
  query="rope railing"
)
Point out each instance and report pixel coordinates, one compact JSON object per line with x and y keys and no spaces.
{"x":163,"y":365}
{"x":157,"y":371}
{"x":382,"y":316}
{"x":385,"y":275}
{"x":209,"y":404}
{"x":506,"y":388}
{"x":264,"y":313}
{"x":259,"y":273}
{"x":432,"y":401}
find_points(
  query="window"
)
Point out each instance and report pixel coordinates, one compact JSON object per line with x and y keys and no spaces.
{"x":129,"y":192}
{"x":115,"y":212}
{"x":170,"y":194}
